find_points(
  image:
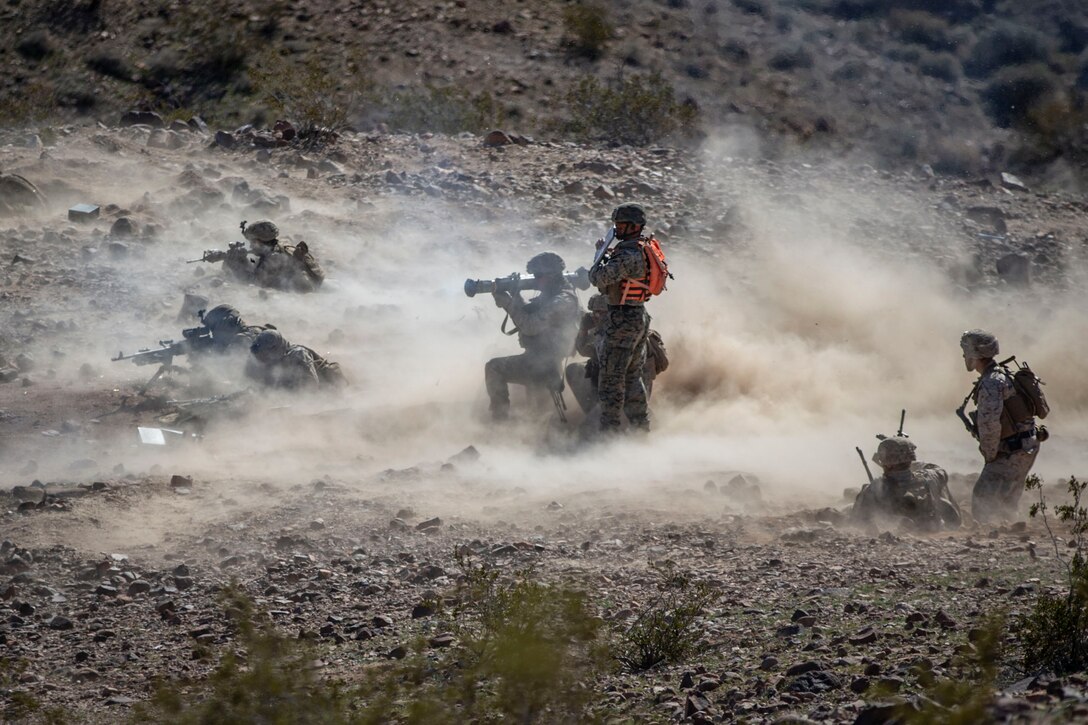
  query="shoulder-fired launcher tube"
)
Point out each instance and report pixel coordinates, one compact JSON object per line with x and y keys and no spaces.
{"x":579,"y":278}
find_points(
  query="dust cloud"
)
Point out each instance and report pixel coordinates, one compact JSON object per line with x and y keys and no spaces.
{"x":791,"y":342}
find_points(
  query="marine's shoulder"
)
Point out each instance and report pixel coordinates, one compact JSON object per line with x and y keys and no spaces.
{"x":994,"y":378}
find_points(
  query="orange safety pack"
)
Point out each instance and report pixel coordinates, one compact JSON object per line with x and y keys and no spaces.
{"x":657,"y":273}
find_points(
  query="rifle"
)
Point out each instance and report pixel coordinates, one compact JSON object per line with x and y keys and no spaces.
{"x":515,"y":282}
{"x":866,"y":464}
{"x":899,"y":433}
{"x":970,"y":420}
{"x":217,"y":255}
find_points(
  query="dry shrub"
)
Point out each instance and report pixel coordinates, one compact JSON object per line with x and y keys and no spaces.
{"x":788,"y":59}
{"x":636,"y":110}
{"x":921,"y":28}
{"x":586,"y":29}
{"x":449,"y":109}
{"x":1055,"y":633}
{"x":1013,"y":94}
{"x":665,"y":630}
{"x":316,"y":97}
{"x":942,"y":66}
{"x":954,"y":157}
{"x":1006,"y":45}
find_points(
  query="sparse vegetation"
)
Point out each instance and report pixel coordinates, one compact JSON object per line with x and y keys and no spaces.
{"x":586,"y":29}
{"x":789,"y":59}
{"x":1004,"y":46}
{"x":317,"y":99}
{"x":1014,"y":92}
{"x":965,"y":696}
{"x":447,"y":109}
{"x":664,"y":631}
{"x":1054,"y":634}
{"x":943,"y":66}
{"x":636,"y":110}
{"x":266,"y":678}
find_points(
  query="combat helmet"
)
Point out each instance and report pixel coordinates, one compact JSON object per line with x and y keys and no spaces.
{"x":546,"y":264}
{"x":633,"y":213}
{"x":979,"y":344}
{"x":894,"y":452}
{"x":269,"y":346}
{"x":222,"y":317}
{"x":261,"y":231}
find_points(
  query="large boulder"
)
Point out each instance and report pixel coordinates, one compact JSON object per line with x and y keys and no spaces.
{"x":17,"y":194}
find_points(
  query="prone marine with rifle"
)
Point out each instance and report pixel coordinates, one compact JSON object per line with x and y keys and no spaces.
{"x":908,"y":490}
{"x":267,"y":262}
{"x":222,"y":331}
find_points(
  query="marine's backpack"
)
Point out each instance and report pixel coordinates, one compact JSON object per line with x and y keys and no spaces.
{"x":1030,"y":399}
{"x":657,"y":273}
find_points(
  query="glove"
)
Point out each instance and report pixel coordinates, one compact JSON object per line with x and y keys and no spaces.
{"x":502,"y":299}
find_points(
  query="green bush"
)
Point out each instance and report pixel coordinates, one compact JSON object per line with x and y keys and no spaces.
{"x":1054,"y":634}
{"x":586,"y":29}
{"x":637,"y":110}
{"x":1006,"y":45}
{"x":1014,"y":92}
{"x":664,"y":631}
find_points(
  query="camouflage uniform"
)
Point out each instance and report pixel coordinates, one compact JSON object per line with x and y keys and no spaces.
{"x":910,"y":489}
{"x":277,"y":363}
{"x":545,"y":328}
{"x":1009,"y":447}
{"x":276,"y":266}
{"x":582,"y":377}
{"x":229,"y":331}
{"x":286,"y":267}
{"x":620,"y":388}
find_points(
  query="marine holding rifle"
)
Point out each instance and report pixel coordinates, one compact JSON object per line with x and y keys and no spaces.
{"x":267,"y":262}
{"x":622,"y":273}
{"x":545,"y":326}
{"x":1003,"y":423}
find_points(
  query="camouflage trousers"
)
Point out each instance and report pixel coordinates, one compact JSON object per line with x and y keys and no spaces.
{"x":997,"y":491}
{"x":620,"y":389}
{"x":532,"y":371}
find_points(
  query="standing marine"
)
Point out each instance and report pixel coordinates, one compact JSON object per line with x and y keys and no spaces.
{"x":583,"y":377}
{"x":545,"y":327}
{"x":622,"y":275}
{"x":1004,"y":425}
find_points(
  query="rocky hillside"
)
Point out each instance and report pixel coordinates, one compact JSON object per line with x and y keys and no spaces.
{"x":963,"y":86}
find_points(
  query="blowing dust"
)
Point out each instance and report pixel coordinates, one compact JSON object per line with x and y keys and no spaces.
{"x":789,"y":345}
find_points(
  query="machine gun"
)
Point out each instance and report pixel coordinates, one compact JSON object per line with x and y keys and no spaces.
{"x":217,"y":255}
{"x":194,"y":338}
{"x":515,"y":282}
